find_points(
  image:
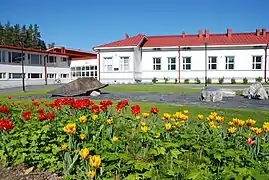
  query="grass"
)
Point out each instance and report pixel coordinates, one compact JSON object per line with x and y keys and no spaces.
{"x":26,"y":93}
{"x":149,"y":88}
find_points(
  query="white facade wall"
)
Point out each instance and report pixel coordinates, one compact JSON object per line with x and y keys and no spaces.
{"x":117,"y":76}
{"x":57,"y":69}
{"x":141,"y":65}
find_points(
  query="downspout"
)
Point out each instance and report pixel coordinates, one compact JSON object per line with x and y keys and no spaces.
{"x":265,"y":62}
{"x":179,"y":64}
{"x":45,"y":68}
{"x":99,"y":65}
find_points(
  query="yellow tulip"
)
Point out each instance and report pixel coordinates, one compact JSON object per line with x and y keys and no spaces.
{"x":84,"y":153}
{"x":70,"y":128}
{"x":95,"y":161}
{"x":83,"y":119}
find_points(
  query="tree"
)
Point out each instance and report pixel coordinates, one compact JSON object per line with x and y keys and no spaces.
{"x":1,"y":34}
{"x":29,"y":37}
{"x":16,"y":37}
{"x":8,"y":34}
{"x":36,"y":37}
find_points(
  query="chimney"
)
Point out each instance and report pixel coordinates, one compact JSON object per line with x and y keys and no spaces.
{"x":263,"y":31}
{"x":229,"y":32}
{"x":126,"y":36}
{"x":200,"y":35}
{"x":63,"y":50}
{"x":258,"y":31}
{"x":183,"y":34}
{"x":207,"y":33}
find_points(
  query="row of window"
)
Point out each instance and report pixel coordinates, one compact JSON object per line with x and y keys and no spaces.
{"x":212,"y":63}
{"x":123,"y":65}
{"x":84,"y":71}
{"x":35,"y":59}
{"x":4,"y":75}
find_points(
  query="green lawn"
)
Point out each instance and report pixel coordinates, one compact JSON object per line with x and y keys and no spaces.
{"x":27,"y":93}
{"x":149,"y":88}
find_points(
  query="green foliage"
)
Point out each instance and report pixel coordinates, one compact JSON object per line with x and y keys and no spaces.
{"x":258,"y":79}
{"x":197,"y":80}
{"x":154,"y":80}
{"x":221,"y":80}
{"x":191,"y":148}
{"x":245,"y":80}
{"x":186,"y":81}
{"x":209,"y":81}
{"x":165,"y":79}
{"x":176,"y":80}
{"x":12,"y":35}
{"x":233,"y":81}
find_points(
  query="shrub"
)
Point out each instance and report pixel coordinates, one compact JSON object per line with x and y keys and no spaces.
{"x":197,"y":80}
{"x":245,"y":80}
{"x":175,"y":80}
{"x":186,"y":81}
{"x":233,"y":81}
{"x":154,"y":80}
{"x":258,"y":79}
{"x":221,"y":80}
{"x":165,"y":80}
{"x":209,"y":81}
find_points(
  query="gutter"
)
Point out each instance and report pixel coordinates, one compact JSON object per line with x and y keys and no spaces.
{"x":265,"y":62}
{"x":99,"y":68}
{"x":179,"y":64}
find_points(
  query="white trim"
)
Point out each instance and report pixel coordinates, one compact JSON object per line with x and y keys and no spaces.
{"x":120,"y":47}
{"x":239,"y":45}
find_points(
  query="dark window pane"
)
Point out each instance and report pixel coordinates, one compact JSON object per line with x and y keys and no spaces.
{"x":258,"y":66}
{"x":231,"y":66}
{"x":188,"y":66}
{"x":214,"y":66}
{"x":258,"y":59}
{"x":173,"y":67}
{"x":188,"y":60}
{"x":158,"y":67}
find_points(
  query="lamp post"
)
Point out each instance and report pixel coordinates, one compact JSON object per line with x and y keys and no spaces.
{"x":206,"y":64}
{"x":22,"y":66}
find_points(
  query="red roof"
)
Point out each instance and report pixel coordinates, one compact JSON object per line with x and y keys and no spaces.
{"x":229,"y":38}
{"x":66,"y":53}
{"x":94,"y":56}
{"x":128,"y":41}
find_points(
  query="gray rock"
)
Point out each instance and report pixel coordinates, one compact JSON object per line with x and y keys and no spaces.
{"x":256,"y":91}
{"x":211,"y":94}
{"x":79,"y":86}
{"x":95,"y":93}
{"x":227,"y":92}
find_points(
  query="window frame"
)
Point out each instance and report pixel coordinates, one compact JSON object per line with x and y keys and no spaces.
{"x":210,"y":62}
{"x":254,"y":62}
{"x":186,"y":64}
{"x":171,"y":64}
{"x":155,"y":64}
{"x":106,"y":65}
{"x":123,"y":63}
{"x":228,"y":63}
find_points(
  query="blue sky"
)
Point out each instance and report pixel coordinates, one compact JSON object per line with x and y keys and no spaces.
{"x":83,"y":24}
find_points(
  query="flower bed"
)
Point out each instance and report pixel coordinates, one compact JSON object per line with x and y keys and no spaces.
{"x":79,"y":139}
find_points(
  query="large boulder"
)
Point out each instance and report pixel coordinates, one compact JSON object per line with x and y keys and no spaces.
{"x":255,"y":91}
{"x":212,"y":94}
{"x":80,"y":86}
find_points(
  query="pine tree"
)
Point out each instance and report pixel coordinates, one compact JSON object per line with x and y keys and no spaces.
{"x":28,"y":41}
{"x":8,"y":34}
{"x":23,"y":35}
{"x":16,"y":38}
{"x":43,"y":45}
{"x":36,"y":37}
{"x":1,"y":34}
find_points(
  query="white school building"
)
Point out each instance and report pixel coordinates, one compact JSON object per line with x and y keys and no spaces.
{"x":142,"y":58}
{"x":55,"y":65}
{"x":228,"y":55}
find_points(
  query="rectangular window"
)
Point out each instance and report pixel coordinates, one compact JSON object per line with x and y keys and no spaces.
{"x":3,"y":75}
{"x":212,"y":63}
{"x":64,"y":76}
{"x":257,"y":62}
{"x":35,"y":59}
{"x":186,"y":63}
{"x":14,"y":57}
{"x":51,"y":60}
{"x":2,"y":56}
{"x":108,"y":64}
{"x":35,"y":75}
{"x":171,"y":63}
{"x":229,"y":62}
{"x":124,"y":63}
{"x":51,"y":75}
{"x":156,"y":63}
{"x":15,"y":75}
{"x":63,"y":59}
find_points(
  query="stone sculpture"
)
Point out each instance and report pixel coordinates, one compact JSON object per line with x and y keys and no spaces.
{"x":82,"y":86}
{"x":256,"y":91}
{"x":212,"y":94}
